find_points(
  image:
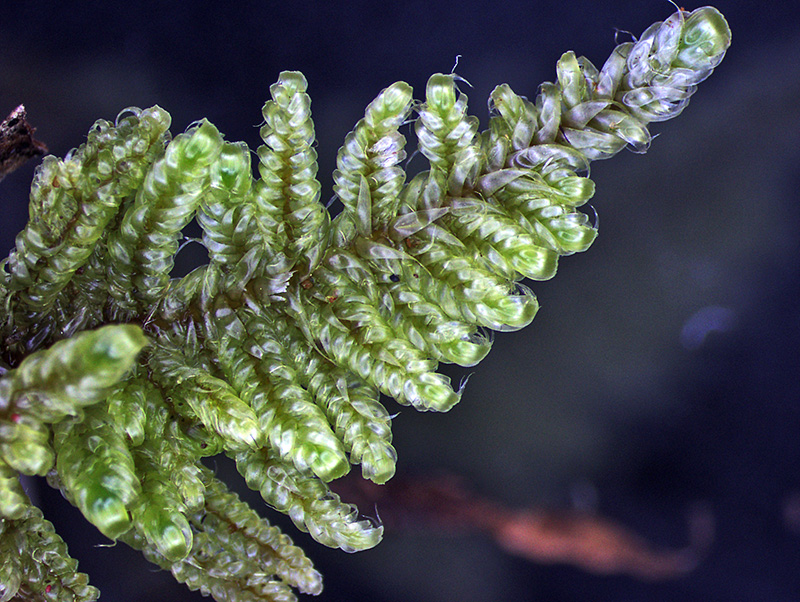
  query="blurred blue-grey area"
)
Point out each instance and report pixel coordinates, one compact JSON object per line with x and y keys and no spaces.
{"x":663,"y":368}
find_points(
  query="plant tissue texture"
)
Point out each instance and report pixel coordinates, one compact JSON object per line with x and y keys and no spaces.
{"x":116,"y":379}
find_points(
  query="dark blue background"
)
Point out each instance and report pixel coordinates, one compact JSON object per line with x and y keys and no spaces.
{"x":603,"y":391}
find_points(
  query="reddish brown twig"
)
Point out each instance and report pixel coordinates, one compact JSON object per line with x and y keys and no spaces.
{"x":17,"y":143}
{"x":581,"y":539}
{"x":598,"y":545}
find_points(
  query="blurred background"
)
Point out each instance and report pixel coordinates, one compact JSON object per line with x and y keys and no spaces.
{"x":662,"y":369}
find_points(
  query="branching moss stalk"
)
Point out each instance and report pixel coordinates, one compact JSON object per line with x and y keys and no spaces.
{"x":117,"y":379}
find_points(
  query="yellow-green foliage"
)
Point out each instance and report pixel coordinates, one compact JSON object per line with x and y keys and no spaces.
{"x":116,"y":379}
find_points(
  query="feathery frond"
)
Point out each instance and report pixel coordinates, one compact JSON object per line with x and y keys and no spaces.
{"x":117,"y":379}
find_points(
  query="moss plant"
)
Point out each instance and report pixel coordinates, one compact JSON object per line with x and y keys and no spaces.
{"x":116,"y":379}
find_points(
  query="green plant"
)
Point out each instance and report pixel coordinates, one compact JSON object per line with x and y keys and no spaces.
{"x":116,"y":379}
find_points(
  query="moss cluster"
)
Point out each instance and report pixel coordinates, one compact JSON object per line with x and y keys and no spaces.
{"x":117,"y":379}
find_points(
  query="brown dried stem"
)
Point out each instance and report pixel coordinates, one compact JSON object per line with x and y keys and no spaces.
{"x":17,"y":143}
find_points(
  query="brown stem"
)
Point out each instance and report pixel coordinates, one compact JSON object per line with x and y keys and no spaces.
{"x":17,"y":143}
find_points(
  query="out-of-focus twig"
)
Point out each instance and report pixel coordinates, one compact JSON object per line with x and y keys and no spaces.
{"x":582,"y":539}
{"x":17,"y":143}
